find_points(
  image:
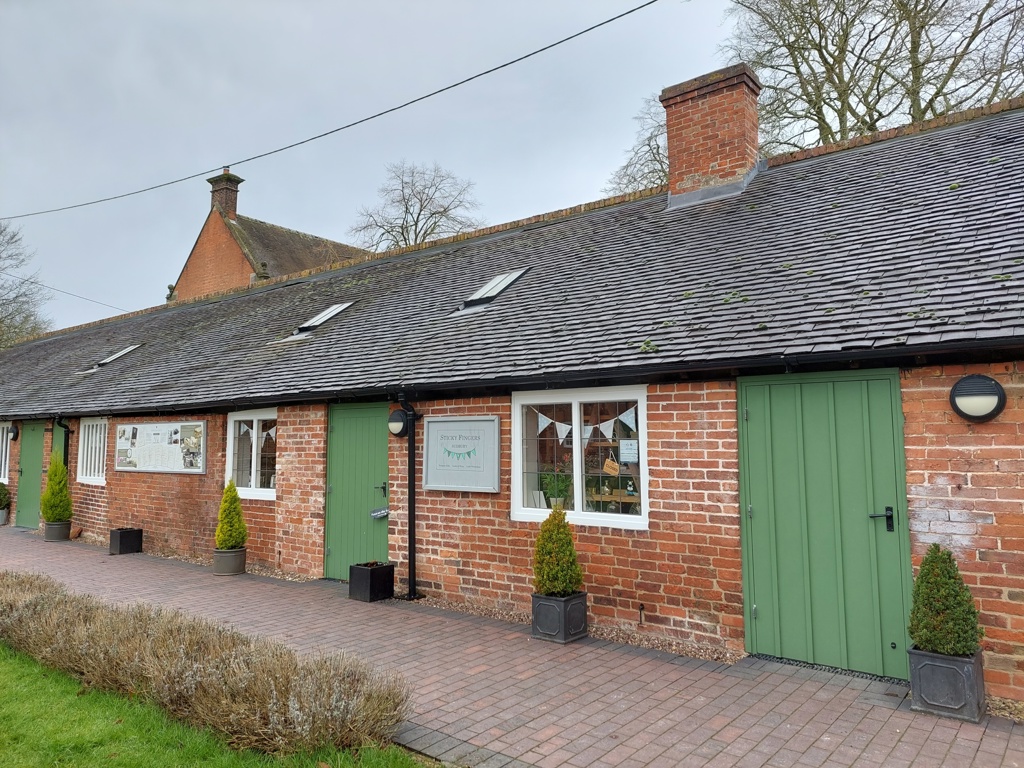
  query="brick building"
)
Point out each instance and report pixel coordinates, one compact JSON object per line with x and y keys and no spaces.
{"x":736,"y":384}
{"x":234,"y":251}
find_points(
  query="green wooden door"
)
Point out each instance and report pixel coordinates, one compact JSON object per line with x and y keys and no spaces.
{"x":823,"y":581}
{"x":357,"y":477}
{"x":30,"y":474}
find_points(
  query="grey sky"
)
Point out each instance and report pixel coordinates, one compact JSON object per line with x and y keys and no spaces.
{"x":104,"y":97}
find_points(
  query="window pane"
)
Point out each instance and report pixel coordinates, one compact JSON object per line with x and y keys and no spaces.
{"x":268,"y":453}
{"x":611,"y":457}
{"x":547,"y":455}
{"x":241,"y":461}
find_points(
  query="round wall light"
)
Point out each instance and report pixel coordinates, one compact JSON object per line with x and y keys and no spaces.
{"x":398,"y":423}
{"x":977,"y":398}
{"x":13,"y":432}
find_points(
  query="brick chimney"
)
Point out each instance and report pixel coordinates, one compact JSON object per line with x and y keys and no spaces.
{"x":712,"y":131}
{"x":225,"y":192}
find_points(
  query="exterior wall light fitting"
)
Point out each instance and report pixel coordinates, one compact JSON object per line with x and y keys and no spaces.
{"x":398,"y":423}
{"x":977,"y":398}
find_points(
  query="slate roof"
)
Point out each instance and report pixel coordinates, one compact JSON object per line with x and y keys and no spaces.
{"x":275,"y":251}
{"x":905,"y":246}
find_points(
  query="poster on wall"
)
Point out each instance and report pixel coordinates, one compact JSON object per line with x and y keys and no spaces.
{"x":461,"y":453}
{"x":166,"y":446}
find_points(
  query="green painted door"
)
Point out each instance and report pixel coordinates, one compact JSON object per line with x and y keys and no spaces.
{"x":823,"y":581}
{"x":30,"y":474}
{"x":357,"y":481}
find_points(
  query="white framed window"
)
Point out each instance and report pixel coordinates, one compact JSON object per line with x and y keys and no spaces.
{"x":252,"y":453}
{"x":5,"y":450}
{"x":584,"y":447}
{"x":92,"y":451}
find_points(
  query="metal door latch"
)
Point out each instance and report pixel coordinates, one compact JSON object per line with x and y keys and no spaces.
{"x":888,"y":519}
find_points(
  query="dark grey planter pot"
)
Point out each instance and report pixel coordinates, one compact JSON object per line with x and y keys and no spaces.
{"x":951,"y":686}
{"x":125,"y":541}
{"x":3,"y":515}
{"x":560,"y":619}
{"x":228,"y":562}
{"x":370,"y":582}
{"x":57,"y":531}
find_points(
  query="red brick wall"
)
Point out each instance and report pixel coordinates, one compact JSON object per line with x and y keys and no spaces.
{"x":302,"y":478}
{"x":215,"y":264}
{"x":965,"y":493}
{"x":685,"y":570}
{"x":178,"y":512}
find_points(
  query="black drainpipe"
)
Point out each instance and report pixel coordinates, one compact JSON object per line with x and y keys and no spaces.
{"x":59,"y":421}
{"x":411,"y":418}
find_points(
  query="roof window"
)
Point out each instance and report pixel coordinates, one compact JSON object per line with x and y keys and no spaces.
{"x":112,"y":358}
{"x":490,"y":291}
{"x":322,"y":318}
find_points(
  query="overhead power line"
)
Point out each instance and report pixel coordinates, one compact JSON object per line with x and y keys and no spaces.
{"x":346,"y":126}
{"x":58,"y":290}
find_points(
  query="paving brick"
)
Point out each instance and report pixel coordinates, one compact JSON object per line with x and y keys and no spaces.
{"x":504,"y":701}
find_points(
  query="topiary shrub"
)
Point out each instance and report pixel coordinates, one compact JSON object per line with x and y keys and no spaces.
{"x":55,"y":503}
{"x":943,"y":618}
{"x":556,"y":569}
{"x":231,"y":531}
{"x":5,"y":497}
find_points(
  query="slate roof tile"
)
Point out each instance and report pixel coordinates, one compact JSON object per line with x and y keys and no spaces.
{"x":841,"y":254}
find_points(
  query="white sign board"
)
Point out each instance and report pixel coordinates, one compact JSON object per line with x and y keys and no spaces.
{"x":461,"y":453}
{"x":166,"y":446}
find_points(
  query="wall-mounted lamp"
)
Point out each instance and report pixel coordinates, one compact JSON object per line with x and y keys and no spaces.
{"x":398,"y":423}
{"x":977,"y":398}
{"x":13,"y":432}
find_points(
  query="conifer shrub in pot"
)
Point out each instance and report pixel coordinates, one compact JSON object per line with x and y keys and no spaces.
{"x":231,"y":534}
{"x":55,"y":503}
{"x":946,"y":676}
{"x":559,"y":602}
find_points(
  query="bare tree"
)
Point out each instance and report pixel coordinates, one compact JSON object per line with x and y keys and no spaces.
{"x":21,"y":296}
{"x":647,"y":160}
{"x":417,"y":203}
{"x":835,"y":69}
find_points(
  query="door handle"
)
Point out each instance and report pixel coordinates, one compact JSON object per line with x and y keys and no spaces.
{"x":888,"y":515}
{"x":383,"y":488}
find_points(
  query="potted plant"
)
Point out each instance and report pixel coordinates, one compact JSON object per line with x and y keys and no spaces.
{"x":557,"y":484}
{"x":5,"y":503}
{"x":55,"y":503}
{"x":231,"y":534}
{"x":946,"y":676}
{"x":559,"y":602}
{"x":371,"y":581}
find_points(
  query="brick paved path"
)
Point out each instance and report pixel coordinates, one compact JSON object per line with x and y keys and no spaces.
{"x":486,"y":694}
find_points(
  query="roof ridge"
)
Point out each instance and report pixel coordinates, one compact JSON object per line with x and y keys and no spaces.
{"x":561,"y":213}
{"x":952,"y":118}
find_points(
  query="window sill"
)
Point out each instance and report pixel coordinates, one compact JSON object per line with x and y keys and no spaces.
{"x":101,"y":481}
{"x":258,"y":494}
{"x":601,"y":519}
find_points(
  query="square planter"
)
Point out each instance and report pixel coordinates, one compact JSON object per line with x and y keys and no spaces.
{"x":560,"y":619}
{"x":125,"y":541}
{"x":57,"y":531}
{"x":370,"y":582}
{"x":952,"y":686}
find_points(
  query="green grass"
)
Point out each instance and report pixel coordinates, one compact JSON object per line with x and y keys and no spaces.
{"x":47,"y":719}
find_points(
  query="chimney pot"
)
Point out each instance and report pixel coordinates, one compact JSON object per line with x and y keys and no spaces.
{"x":712,"y":129}
{"x":224,"y":192}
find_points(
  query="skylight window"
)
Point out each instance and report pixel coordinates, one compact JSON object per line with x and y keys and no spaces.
{"x":112,"y":358}
{"x":320,"y":319}
{"x":490,"y":291}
